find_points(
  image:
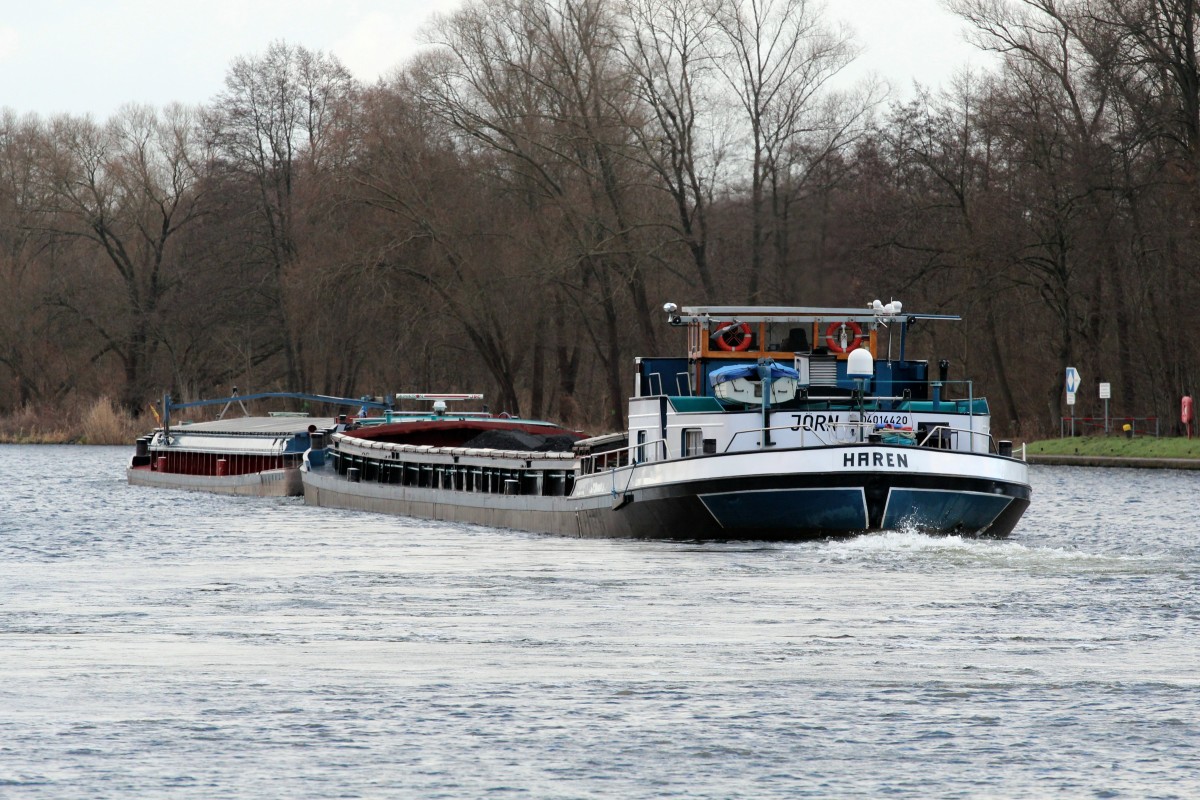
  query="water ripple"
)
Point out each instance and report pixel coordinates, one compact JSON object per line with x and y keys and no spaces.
{"x":171,"y":645}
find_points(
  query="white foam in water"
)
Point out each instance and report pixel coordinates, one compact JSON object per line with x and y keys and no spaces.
{"x":955,"y":549}
{"x":898,"y":541}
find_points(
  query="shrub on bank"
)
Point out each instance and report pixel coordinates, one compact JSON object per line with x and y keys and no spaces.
{"x":99,"y":421}
{"x":104,"y":423}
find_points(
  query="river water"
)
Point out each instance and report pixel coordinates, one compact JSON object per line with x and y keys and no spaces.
{"x":160,"y":644}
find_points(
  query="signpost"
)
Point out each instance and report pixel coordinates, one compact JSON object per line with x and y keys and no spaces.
{"x":1105,"y":394}
{"x":1072,"y":384}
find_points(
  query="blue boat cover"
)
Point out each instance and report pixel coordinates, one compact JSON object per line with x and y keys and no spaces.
{"x":750,"y":372}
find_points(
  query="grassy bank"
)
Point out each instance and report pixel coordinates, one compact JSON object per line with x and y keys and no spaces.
{"x":97,"y":422}
{"x":1118,"y":447}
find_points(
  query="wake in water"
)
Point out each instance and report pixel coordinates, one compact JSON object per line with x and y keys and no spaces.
{"x":959,"y":551}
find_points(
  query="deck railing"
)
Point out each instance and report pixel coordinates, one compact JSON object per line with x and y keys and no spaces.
{"x":861,"y":431}
{"x":624,"y":457}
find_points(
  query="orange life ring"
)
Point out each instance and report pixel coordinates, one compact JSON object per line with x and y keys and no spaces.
{"x":834,"y":341}
{"x":734,"y":337}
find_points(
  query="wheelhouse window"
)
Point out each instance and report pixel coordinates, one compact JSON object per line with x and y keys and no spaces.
{"x":693,"y":442}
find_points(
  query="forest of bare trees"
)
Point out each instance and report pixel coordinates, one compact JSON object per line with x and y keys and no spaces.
{"x":507,"y":212}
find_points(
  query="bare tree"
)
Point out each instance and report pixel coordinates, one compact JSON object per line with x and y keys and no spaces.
{"x":125,"y":191}
{"x":1056,"y":127}
{"x":778,"y":58}
{"x":444,"y":236}
{"x":536,"y":82}
{"x":274,"y":126}
{"x":22,"y":315}
{"x":682,"y":138}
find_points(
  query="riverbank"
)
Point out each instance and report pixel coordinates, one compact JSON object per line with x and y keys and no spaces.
{"x":1100,"y":461}
{"x":1142,"y":452}
{"x":100,"y":422}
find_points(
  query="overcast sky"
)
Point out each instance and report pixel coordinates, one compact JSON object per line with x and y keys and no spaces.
{"x":92,"y":56}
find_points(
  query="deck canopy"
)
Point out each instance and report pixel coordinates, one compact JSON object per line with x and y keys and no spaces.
{"x":751,"y":372}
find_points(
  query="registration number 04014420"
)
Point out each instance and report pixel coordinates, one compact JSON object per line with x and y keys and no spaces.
{"x":829,"y":422}
{"x":895,"y":420}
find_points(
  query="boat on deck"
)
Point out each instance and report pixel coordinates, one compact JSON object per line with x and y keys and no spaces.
{"x":777,"y":423}
{"x":247,"y":455}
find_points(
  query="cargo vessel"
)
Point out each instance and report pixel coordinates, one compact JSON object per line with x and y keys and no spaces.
{"x":775,"y":423}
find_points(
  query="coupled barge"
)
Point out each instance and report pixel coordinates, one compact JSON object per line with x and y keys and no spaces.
{"x":779,"y":423}
{"x":247,"y":455}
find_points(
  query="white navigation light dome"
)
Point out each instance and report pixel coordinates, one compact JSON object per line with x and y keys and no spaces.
{"x":892,"y":309}
{"x":860,"y":364}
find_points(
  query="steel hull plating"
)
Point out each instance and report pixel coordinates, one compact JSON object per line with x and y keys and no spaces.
{"x":789,"y":494}
{"x":268,"y":483}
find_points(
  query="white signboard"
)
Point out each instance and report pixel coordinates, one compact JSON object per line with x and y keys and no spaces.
{"x":1105,"y":391}
{"x":1070,"y":398}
